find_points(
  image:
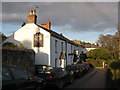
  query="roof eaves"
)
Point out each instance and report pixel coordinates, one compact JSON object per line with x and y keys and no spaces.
{"x":58,"y":36}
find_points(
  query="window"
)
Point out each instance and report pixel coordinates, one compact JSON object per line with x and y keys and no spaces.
{"x":19,"y":74}
{"x":59,"y":71}
{"x":61,"y":46}
{"x":55,"y":62}
{"x":6,"y":74}
{"x":71,"y":48}
{"x":38,"y":40}
{"x":65,"y":72}
{"x":56,"y":46}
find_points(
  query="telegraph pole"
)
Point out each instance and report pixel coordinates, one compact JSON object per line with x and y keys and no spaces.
{"x":119,"y":43}
{"x":119,"y":30}
{"x":119,"y":40}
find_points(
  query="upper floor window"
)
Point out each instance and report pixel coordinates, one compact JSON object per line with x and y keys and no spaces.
{"x":71,"y":48}
{"x":62,"y":46}
{"x":56,"y":46}
{"x":55,"y":62}
{"x":38,"y":40}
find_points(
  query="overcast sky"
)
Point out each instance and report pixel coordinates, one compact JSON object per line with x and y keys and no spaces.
{"x":83,"y":21}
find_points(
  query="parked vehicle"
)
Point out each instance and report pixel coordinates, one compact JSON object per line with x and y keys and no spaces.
{"x":84,"y":67}
{"x":14,"y":78}
{"x":40,"y":69}
{"x":56,"y":77}
{"x":91,"y":67}
{"x":75,"y":70}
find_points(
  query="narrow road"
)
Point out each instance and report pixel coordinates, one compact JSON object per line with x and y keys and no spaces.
{"x":94,"y":79}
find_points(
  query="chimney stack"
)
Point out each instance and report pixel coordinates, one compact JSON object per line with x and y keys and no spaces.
{"x":47,"y":25}
{"x":32,"y":17}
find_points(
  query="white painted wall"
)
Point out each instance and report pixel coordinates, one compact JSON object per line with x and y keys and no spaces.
{"x":25,"y":36}
{"x":56,"y":55}
{"x":44,"y":55}
{"x":69,"y":57}
{"x":90,"y":49}
{"x":11,"y":39}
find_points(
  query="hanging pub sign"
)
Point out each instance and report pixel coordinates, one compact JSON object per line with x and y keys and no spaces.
{"x":38,"y":40}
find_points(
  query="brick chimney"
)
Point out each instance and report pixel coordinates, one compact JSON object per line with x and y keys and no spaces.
{"x":47,"y":25}
{"x":32,"y":17}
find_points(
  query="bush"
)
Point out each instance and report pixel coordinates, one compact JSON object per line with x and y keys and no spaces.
{"x":95,"y":62}
{"x":21,"y":46}
{"x":100,"y":53}
{"x":115,"y":70}
{"x":9,"y":44}
{"x":12,"y":45}
{"x":115,"y":65}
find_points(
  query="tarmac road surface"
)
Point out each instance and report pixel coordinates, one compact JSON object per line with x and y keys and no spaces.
{"x":94,"y":79}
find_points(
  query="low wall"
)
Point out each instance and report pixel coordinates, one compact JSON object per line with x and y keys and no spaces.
{"x":23,"y":58}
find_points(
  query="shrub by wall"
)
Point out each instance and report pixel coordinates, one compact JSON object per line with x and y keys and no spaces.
{"x":114,"y":74}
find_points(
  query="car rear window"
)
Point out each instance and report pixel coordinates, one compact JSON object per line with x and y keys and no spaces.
{"x":43,"y":69}
{"x":70,"y":68}
{"x":6,"y":74}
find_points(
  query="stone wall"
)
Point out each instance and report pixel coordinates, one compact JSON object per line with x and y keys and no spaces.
{"x":23,"y":58}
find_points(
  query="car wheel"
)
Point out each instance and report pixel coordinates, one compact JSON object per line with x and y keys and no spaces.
{"x":79,"y":75}
{"x":38,"y":88}
{"x":71,"y":80}
{"x":60,"y":84}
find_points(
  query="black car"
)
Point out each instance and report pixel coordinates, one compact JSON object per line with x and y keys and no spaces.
{"x":14,"y":78}
{"x":55,"y":77}
{"x":75,"y":70}
{"x":40,"y":69}
{"x":91,"y":67}
{"x":84,"y":66}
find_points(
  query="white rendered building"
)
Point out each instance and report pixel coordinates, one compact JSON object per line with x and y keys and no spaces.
{"x":50,"y":47}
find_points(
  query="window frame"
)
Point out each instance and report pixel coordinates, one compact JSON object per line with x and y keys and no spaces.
{"x":38,"y":42}
{"x":55,"y":62}
{"x":11,"y":77}
{"x":56,"y":46}
{"x":62,"y":46}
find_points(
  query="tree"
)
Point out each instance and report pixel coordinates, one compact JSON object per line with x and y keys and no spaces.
{"x":108,"y":41}
{"x":101,"y":53}
{"x":2,"y":37}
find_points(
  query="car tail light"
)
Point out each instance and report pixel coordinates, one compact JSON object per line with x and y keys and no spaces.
{"x":76,"y":70}
{"x":52,"y":77}
{"x":83,"y":68}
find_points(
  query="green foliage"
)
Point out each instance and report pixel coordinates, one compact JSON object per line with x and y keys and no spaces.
{"x":12,"y":45}
{"x":21,"y":46}
{"x":115,"y":65}
{"x":100,"y":53}
{"x":115,"y":70}
{"x":2,"y":37}
{"x":96,"y":63}
{"x":9,"y":44}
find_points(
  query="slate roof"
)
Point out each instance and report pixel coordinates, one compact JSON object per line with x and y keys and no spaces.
{"x":55,"y":34}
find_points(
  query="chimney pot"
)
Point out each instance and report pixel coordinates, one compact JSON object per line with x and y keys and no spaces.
{"x":32,"y":12}
{"x":32,"y":18}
